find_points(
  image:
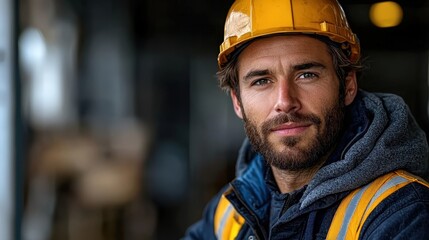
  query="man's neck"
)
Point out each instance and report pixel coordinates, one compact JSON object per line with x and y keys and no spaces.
{"x":289,"y":181}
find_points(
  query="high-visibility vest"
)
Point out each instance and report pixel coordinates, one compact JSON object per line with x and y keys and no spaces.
{"x":349,"y":218}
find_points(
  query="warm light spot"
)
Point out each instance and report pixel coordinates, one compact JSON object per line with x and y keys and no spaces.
{"x":386,"y":14}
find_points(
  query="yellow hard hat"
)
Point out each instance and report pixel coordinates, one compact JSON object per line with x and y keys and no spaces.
{"x":249,"y":19}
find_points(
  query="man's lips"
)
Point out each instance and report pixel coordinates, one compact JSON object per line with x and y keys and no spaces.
{"x":290,"y":128}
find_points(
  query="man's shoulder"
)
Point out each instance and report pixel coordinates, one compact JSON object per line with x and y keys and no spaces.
{"x":411,"y":194}
{"x":405,"y":212}
{"x":394,"y":204}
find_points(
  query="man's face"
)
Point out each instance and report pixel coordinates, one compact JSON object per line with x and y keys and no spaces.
{"x":289,"y":100}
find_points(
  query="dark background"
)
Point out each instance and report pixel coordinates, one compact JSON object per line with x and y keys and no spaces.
{"x":154,"y":62}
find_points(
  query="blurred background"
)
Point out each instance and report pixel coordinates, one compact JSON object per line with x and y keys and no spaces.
{"x":113,"y":126}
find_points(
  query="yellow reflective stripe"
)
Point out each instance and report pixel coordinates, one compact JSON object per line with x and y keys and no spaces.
{"x":344,"y":214}
{"x":337,"y":223}
{"x":372,"y":197}
{"x":221,"y":216}
{"x":220,"y":210}
{"x":236,"y":225}
{"x":357,"y":206}
{"x":227,"y":222}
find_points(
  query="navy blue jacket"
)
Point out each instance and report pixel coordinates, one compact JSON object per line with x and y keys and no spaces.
{"x":381,"y":136}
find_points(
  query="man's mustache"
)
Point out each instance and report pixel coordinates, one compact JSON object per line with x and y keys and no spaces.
{"x":289,"y":117}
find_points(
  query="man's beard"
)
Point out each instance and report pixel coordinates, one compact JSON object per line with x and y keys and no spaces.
{"x":304,"y":158}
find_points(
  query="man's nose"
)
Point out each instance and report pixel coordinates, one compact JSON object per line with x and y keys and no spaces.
{"x":287,"y":98}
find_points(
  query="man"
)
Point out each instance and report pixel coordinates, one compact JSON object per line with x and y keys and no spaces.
{"x":323,"y":159}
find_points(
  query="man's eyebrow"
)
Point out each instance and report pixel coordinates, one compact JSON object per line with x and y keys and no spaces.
{"x":256,"y":73}
{"x":308,"y":65}
{"x":264,"y":72}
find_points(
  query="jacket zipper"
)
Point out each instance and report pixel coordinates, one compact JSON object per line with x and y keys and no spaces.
{"x":257,"y":232}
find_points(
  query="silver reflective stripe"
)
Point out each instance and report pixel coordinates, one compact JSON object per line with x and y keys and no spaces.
{"x":386,"y":186}
{"x":349,"y":212}
{"x":353,"y":203}
{"x":225,"y":216}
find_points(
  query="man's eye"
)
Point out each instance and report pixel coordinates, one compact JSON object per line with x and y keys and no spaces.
{"x":260,"y":82}
{"x":308,"y":75}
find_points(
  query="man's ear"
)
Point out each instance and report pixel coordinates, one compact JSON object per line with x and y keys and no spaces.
{"x":351,"y":88}
{"x":236,"y":103}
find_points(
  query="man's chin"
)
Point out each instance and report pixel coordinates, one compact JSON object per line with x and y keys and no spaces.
{"x":287,"y":144}
{"x":291,"y":162}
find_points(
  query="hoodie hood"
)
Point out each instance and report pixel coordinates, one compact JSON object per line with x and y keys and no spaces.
{"x":391,"y":140}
